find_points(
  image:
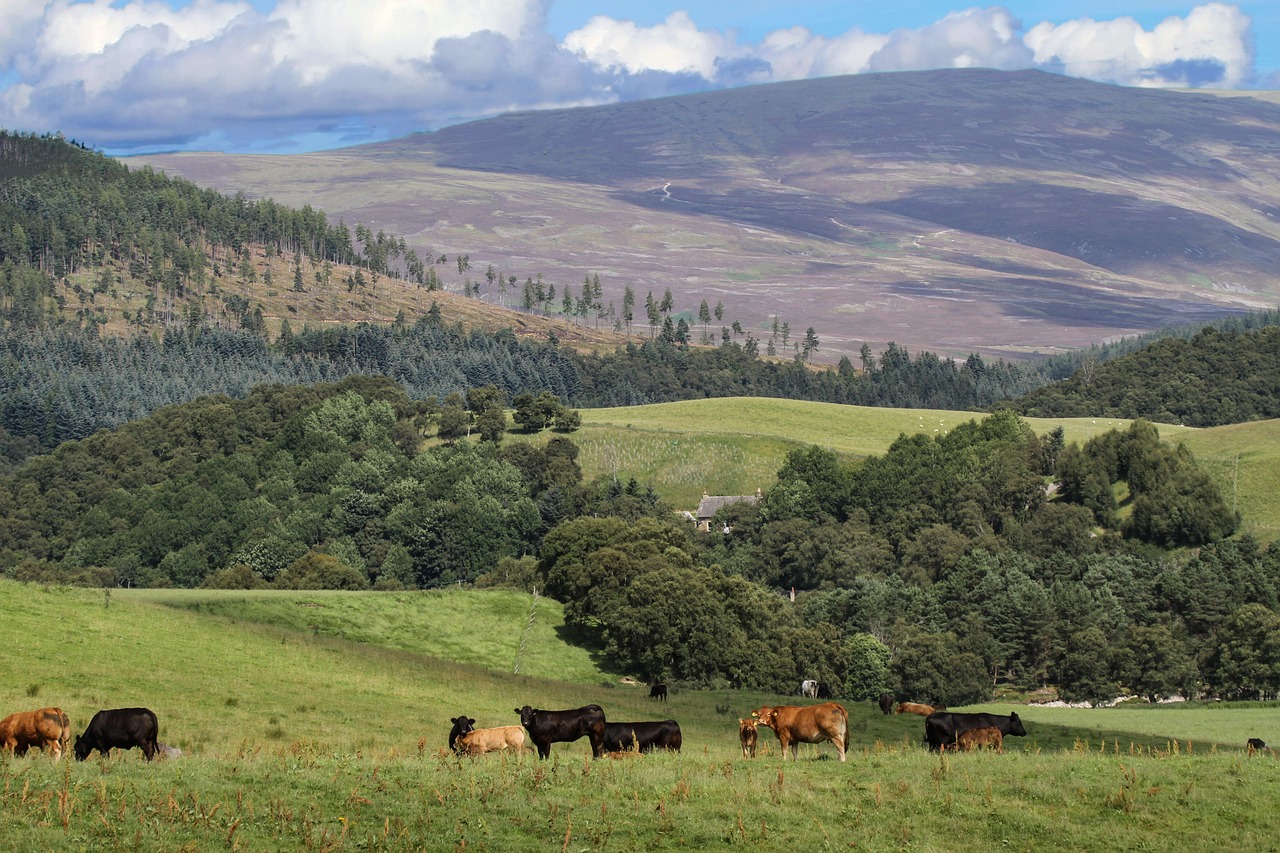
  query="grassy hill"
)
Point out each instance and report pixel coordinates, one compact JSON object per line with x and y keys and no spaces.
{"x":956,"y":211}
{"x":293,"y":741}
{"x":734,"y":446}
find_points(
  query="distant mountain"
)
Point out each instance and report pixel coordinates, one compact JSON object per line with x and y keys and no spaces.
{"x":1006,"y":213}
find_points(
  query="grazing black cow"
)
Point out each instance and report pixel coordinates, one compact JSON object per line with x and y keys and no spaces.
{"x":658,"y":691}
{"x":887,"y":701}
{"x":548,"y":727}
{"x":461,"y":725}
{"x":824,"y":690}
{"x":1255,"y":744}
{"x":122,"y":728}
{"x":642,"y":737}
{"x":941,"y":728}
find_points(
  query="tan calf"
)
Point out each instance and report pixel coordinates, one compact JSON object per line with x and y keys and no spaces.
{"x":989,"y":738}
{"x":480,"y":741}
{"x":747,"y":734}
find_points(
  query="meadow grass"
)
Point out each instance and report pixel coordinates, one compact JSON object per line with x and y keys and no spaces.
{"x":1244,"y":459}
{"x":294,"y":740}
{"x":470,"y":626}
{"x":733,"y":446}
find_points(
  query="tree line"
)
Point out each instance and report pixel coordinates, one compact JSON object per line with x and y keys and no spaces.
{"x":939,"y":569}
{"x":1215,"y":377}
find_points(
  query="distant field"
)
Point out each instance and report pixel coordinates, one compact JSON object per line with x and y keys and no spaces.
{"x":733,"y":446}
{"x":1245,"y":460}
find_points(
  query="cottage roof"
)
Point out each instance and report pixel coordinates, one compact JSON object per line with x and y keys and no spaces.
{"x":710,"y":504}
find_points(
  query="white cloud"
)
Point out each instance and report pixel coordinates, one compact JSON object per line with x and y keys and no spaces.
{"x":796,"y":53}
{"x":675,"y":46}
{"x":123,"y":73}
{"x":1210,"y":46}
{"x":988,"y":38}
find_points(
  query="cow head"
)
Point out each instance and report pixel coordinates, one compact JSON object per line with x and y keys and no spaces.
{"x":765,"y":716}
{"x":1015,"y":726}
{"x":461,"y":725}
{"x":746,"y":725}
{"x":526,"y":715}
{"x":82,"y":748}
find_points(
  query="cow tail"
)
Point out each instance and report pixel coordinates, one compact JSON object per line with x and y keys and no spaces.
{"x":845,"y":713}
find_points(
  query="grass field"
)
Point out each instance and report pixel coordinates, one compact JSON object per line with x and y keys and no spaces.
{"x":294,"y":740}
{"x":733,"y":446}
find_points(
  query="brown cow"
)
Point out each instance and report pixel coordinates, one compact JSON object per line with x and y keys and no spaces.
{"x":747,"y":734}
{"x":985,"y":738}
{"x":794,"y":725}
{"x":49,"y":729}
{"x":480,"y":741}
{"x":915,"y":708}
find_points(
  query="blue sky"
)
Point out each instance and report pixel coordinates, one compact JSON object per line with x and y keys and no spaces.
{"x":129,"y":76}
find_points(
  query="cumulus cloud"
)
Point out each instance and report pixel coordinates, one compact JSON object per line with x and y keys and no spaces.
{"x":124,"y":74}
{"x":987,"y":38}
{"x":675,"y":46}
{"x":1177,"y":52}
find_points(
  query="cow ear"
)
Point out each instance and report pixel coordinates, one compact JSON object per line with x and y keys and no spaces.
{"x":453,"y":720}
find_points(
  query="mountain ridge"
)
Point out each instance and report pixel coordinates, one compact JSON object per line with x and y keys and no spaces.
{"x":1006,"y":213}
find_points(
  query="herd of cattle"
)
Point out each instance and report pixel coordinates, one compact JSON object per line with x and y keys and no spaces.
{"x":49,"y":730}
{"x":791,"y":724}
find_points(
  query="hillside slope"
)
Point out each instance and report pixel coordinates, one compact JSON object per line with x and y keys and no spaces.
{"x":958,"y":211}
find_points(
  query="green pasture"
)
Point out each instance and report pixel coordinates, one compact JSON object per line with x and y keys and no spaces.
{"x":733,"y":446}
{"x":297,"y":739}
{"x":1245,"y":460}
{"x":481,"y":627}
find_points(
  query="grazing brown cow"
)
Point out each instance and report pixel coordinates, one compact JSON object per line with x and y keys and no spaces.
{"x":747,"y":734}
{"x":47,"y":729}
{"x":915,"y":708}
{"x":985,"y":738}
{"x":480,"y":741}
{"x":794,"y":725}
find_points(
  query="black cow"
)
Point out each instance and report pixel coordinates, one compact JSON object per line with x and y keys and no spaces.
{"x":658,"y":691}
{"x":941,"y":728}
{"x":1255,"y":744}
{"x":461,"y":725}
{"x":887,"y":701}
{"x":123,"y":728}
{"x":548,"y":727}
{"x":824,"y":690}
{"x":642,"y":737}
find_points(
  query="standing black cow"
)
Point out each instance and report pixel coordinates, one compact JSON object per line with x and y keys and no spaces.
{"x":887,"y":701}
{"x":658,"y":691}
{"x":123,"y":728}
{"x":548,"y":727}
{"x":461,"y":725}
{"x":642,"y":737}
{"x":824,"y":690}
{"x":941,"y":728}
